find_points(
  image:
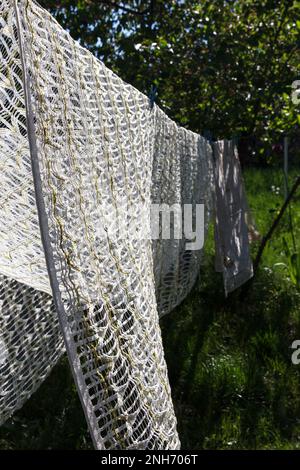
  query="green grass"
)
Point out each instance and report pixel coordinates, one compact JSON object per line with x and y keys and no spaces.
{"x":233,"y":383}
{"x":232,"y":379}
{"x":265,"y":203}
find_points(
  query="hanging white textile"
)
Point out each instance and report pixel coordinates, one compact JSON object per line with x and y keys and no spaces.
{"x":232,"y":218}
{"x":83,"y":158}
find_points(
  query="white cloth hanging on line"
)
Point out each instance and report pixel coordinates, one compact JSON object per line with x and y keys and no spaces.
{"x":232,"y":218}
{"x":77,"y":145}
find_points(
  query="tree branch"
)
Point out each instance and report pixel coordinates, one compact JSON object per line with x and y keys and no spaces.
{"x":276,"y":221}
{"x":124,"y":8}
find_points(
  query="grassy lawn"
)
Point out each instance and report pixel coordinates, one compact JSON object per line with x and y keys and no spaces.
{"x":233,"y":383}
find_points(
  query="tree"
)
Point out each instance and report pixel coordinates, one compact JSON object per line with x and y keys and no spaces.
{"x":227,"y":66}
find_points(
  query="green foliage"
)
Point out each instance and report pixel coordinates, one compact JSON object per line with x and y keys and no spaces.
{"x":265,"y":192}
{"x":292,"y":264}
{"x":226,"y":66}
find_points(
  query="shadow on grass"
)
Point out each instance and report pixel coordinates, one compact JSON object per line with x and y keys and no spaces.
{"x":230,"y":369}
{"x":229,"y":360}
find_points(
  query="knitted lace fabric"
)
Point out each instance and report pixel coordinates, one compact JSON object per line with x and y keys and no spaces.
{"x":83,"y":156}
